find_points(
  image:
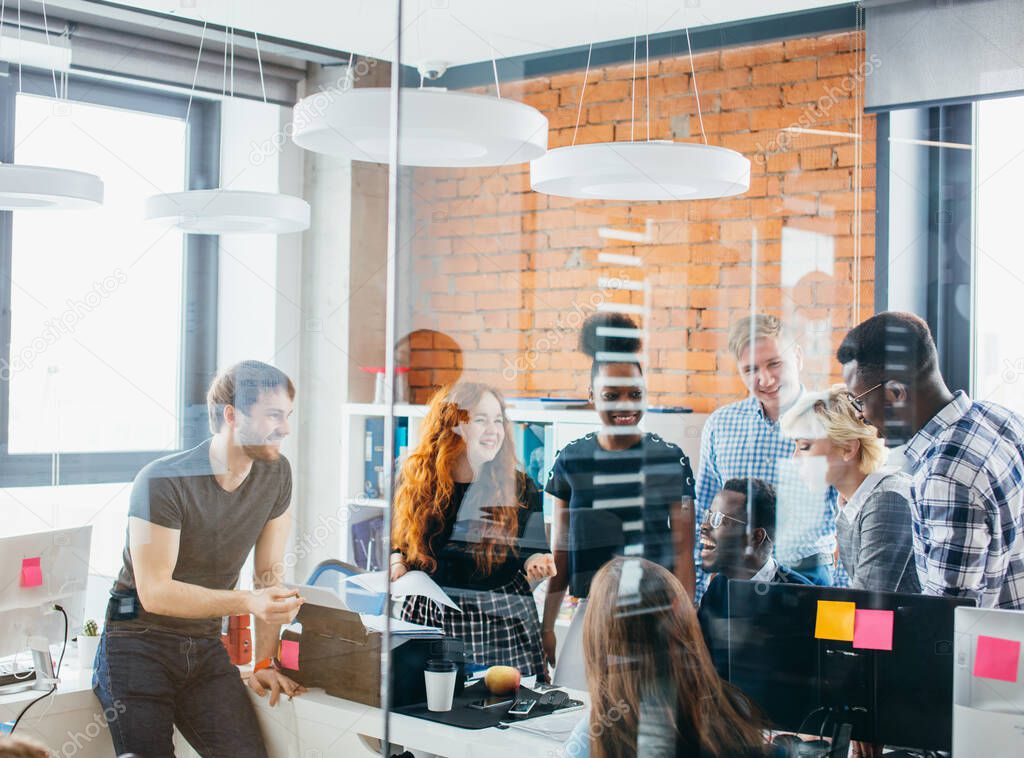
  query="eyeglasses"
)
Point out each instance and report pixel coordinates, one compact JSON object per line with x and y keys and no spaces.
{"x":714,"y":518}
{"x":857,"y":401}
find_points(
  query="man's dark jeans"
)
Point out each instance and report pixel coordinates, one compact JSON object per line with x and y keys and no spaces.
{"x":157,"y":680}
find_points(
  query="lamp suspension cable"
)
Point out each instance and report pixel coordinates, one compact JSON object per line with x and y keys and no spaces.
{"x":195,"y":77}
{"x":46,"y":36}
{"x":259,"y":63}
{"x":583,"y":90}
{"x":632,"y":83}
{"x":647,"y":73}
{"x":696,"y":92}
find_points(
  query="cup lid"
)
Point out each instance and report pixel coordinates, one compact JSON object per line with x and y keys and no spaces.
{"x":440,"y":665}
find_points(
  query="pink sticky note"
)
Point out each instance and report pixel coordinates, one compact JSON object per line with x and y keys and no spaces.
{"x":290,"y":654}
{"x":31,"y":573}
{"x":872,"y":630}
{"x":996,"y":658}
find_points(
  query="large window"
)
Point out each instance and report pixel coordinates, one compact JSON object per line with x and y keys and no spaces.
{"x":110,"y":333}
{"x":999,"y":346}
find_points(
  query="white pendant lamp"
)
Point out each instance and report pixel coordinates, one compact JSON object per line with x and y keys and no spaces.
{"x":42,"y":187}
{"x":228,"y":211}
{"x":219,"y":211}
{"x":637,"y":171}
{"x":438,"y":127}
{"x":641,"y":170}
{"x":45,"y":187}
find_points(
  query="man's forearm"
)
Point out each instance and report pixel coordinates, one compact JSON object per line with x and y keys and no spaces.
{"x":265,"y":644}
{"x":190,"y":601}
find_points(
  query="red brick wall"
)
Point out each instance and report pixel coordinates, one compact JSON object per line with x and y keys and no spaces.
{"x":509,"y":273}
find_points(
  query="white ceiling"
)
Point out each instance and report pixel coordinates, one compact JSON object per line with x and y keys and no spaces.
{"x":462,"y":31}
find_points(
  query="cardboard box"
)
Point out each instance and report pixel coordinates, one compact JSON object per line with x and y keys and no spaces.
{"x":337,"y":653}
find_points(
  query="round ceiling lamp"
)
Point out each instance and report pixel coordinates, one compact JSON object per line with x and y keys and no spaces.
{"x":42,"y":187}
{"x":228,"y":211}
{"x":220,"y":211}
{"x":641,"y":170}
{"x":638,"y":171}
{"x":438,"y":127}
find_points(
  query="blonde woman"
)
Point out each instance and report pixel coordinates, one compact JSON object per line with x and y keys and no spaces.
{"x":873,"y":528}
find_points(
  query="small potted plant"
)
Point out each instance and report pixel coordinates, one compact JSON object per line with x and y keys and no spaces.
{"x":88,"y":642}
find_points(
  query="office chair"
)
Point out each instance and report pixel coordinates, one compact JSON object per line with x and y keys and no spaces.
{"x":331,"y":573}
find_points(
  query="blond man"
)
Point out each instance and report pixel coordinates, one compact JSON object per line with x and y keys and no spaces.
{"x":743,"y":440}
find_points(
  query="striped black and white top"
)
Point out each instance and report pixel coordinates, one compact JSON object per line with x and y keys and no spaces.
{"x":620,"y":502}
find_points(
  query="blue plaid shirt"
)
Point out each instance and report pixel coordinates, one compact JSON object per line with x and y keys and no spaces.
{"x":968,"y":503}
{"x":740,"y":441}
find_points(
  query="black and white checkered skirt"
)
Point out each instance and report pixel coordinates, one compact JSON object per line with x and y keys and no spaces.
{"x":499,"y":627}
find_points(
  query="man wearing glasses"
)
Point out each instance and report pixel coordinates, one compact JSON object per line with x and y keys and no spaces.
{"x":966,"y":459}
{"x":736,"y":543}
{"x":744,"y":439}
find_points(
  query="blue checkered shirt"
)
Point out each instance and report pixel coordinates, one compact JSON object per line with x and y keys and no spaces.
{"x":968,"y":503}
{"x":740,"y":441}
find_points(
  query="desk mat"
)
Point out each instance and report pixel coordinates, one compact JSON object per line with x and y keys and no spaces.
{"x":464,"y":717}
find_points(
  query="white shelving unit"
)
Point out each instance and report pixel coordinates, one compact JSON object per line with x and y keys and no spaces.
{"x":681,"y":428}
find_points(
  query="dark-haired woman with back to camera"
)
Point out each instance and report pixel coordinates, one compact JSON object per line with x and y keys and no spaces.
{"x":653,"y":689}
{"x":616,"y":492}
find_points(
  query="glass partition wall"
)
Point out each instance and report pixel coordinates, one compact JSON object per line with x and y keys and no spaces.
{"x":588,"y":392}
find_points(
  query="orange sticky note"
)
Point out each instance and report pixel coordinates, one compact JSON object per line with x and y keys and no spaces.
{"x":996,"y":658}
{"x":872,"y":630}
{"x":31,"y":573}
{"x":290,"y":654}
{"x":835,"y":620}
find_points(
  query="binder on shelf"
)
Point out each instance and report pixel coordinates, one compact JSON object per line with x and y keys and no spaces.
{"x":373,"y":457}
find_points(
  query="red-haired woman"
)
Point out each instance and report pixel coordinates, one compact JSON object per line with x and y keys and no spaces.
{"x":465,"y":515}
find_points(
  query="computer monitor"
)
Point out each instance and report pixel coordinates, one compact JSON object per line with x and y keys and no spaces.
{"x":37,"y":571}
{"x":900,"y":697}
{"x":988,"y":683}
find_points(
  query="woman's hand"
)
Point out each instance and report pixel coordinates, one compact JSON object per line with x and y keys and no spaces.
{"x":540,"y":566}
{"x":398,"y":567}
{"x":274,"y":681}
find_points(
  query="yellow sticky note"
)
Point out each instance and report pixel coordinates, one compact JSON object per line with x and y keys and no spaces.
{"x":835,"y":620}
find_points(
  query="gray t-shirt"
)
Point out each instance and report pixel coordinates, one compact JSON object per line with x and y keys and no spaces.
{"x":218,"y":528}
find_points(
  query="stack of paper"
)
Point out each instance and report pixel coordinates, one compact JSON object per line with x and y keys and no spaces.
{"x":411,"y":583}
{"x":399,"y":627}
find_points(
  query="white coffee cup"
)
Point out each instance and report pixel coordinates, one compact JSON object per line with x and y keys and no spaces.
{"x":439,"y":677}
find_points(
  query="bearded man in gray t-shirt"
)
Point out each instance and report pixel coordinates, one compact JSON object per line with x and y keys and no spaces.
{"x":193,"y":519}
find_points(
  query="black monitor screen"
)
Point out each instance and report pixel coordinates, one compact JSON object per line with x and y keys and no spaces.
{"x":803,"y":684}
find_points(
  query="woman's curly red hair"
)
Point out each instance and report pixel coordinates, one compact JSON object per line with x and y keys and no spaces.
{"x":426,"y":483}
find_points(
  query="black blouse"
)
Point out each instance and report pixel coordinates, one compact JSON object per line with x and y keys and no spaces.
{"x":454,"y":546}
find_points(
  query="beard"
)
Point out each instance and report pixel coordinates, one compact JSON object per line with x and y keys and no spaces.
{"x":262,"y":452}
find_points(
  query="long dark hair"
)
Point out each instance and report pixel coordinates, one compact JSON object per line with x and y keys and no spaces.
{"x":642,"y":643}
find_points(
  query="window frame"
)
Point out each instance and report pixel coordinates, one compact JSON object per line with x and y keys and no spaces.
{"x":946,"y":259}
{"x":198,"y":359}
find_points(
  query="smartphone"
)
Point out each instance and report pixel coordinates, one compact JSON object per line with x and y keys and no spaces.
{"x":492,"y":701}
{"x":523,"y":706}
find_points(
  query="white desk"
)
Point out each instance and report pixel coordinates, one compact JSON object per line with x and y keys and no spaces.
{"x":314,"y":725}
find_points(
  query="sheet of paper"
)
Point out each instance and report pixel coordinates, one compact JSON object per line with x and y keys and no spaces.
{"x":31,"y":573}
{"x":290,"y":654}
{"x":996,"y":658}
{"x":872,"y":630}
{"x":835,"y":620}
{"x":412,"y":583}
{"x":319,"y":596}
{"x":399,"y":626}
